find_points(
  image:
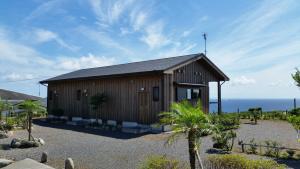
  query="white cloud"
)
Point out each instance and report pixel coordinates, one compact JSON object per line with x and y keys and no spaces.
{"x":186,"y":33}
{"x":82,"y":62}
{"x":108,"y":12}
{"x":204,"y":18}
{"x":102,"y":38}
{"x":154,"y":37}
{"x":242,"y":81}
{"x":42,"y":36}
{"x":16,"y":77}
{"x":138,"y":19}
{"x":43,"y":9}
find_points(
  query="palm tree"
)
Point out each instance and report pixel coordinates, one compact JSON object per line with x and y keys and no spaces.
{"x":190,"y":120}
{"x":296,"y":77}
{"x":97,"y":101}
{"x":31,"y":107}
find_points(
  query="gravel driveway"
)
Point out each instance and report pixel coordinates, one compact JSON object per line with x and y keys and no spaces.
{"x":97,"y":149}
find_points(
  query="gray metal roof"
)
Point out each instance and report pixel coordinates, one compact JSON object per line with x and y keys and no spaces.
{"x":128,"y":68}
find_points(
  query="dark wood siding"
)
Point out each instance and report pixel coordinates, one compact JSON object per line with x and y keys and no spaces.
{"x":197,"y":72}
{"x":122,"y":105}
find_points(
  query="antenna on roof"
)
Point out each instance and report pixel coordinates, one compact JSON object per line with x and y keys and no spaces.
{"x":204,"y":36}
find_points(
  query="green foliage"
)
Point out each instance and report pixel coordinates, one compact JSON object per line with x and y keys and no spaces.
{"x":272,"y":149}
{"x":57,"y":112}
{"x":296,"y":77}
{"x":295,"y":121}
{"x":253,"y":147}
{"x":31,"y":107}
{"x":222,"y":139}
{"x":295,"y":112}
{"x":290,"y":153}
{"x":256,"y":113}
{"x":97,"y":100}
{"x":190,"y":120}
{"x":162,"y":162}
{"x":234,"y":161}
{"x":225,"y":121}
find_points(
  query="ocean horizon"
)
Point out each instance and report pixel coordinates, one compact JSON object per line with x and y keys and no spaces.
{"x":232,"y":105}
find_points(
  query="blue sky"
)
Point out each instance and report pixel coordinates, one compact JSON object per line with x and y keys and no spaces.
{"x":256,"y":43}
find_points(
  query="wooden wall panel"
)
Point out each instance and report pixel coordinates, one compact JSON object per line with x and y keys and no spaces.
{"x":122,"y":94}
{"x":197,"y":72}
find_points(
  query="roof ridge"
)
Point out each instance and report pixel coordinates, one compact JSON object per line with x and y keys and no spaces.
{"x":140,"y":61}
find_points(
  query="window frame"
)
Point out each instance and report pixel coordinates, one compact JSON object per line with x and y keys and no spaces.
{"x":78,"y":95}
{"x":155,"y":93}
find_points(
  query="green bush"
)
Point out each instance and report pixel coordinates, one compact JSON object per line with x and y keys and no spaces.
{"x":224,"y":140}
{"x":290,"y":153}
{"x":252,"y":147}
{"x":226,"y":121}
{"x":162,"y":162}
{"x":271,"y":150}
{"x":295,"y":112}
{"x":233,"y":161}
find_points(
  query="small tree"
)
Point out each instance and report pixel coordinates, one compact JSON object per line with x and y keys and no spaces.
{"x":190,"y":120}
{"x":296,"y":77}
{"x":295,"y":121}
{"x":255,"y":112}
{"x":31,"y":107}
{"x":97,"y":101}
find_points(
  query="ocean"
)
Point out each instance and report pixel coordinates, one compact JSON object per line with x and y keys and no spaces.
{"x":231,"y":105}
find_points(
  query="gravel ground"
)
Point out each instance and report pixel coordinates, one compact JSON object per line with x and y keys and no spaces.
{"x":96,"y":149}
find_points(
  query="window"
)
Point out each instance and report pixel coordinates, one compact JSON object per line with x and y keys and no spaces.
{"x":155,"y":92}
{"x":78,"y":94}
{"x":187,"y":93}
{"x":50,"y":95}
{"x":196,"y":93}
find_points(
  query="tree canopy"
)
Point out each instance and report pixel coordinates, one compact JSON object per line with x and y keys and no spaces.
{"x":296,"y":77}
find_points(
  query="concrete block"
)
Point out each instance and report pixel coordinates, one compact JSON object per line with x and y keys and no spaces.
{"x":93,"y":120}
{"x":50,"y":116}
{"x":111,"y":122}
{"x":76,"y":119}
{"x":156,"y":128}
{"x":64,"y":117}
{"x":73,"y":123}
{"x":129,"y":124}
{"x":100,"y":121}
{"x":167,"y":128}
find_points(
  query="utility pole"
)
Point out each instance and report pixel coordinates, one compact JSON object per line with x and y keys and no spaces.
{"x":204,"y":36}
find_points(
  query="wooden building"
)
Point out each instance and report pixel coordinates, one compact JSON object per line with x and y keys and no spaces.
{"x":137,"y":91}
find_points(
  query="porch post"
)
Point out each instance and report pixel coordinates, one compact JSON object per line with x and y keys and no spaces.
{"x":219,"y":98}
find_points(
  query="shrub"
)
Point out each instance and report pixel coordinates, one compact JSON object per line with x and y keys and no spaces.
{"x":252,"y":147}
{"x":233,"y":161}
{"x":272,"y":150}
{"x":222,"y":139}
{"x":290,"y":153}
{"x":226,"y":121}
{"x":295,"y":112}
{"x":57,"y":112}
{"x":162,"y":162}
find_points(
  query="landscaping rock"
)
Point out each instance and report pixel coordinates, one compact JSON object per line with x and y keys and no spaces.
{"x":40,"y":140}
{"x":15,"y":143}
{"x":5,"y":162}
{"x":18,"y":143}
{"x":69,"y":164}
{"x":3,"y":135}
{"x":44,"y":157}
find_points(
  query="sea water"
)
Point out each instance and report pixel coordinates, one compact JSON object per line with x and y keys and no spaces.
{"x":232,"y":105}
